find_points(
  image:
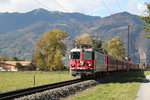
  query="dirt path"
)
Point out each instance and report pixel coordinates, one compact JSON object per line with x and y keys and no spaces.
{"x":144,"y":90}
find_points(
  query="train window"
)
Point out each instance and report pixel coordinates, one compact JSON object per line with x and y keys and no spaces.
{"x":75,"y":55}
{"x":88,"y":55}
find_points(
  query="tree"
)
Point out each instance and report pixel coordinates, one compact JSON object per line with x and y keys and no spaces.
{"x":147,"y":19}
{"x":15,"y":59}
{"x":98,"y":44}
{"x":38,"y":60}
{"x":32,"y":66}
{"x":115,"y":48}
{"x":2,"y":58}
{"x":19,"y":66}
{"x":49,"y":49}
{"x":83,"y":40}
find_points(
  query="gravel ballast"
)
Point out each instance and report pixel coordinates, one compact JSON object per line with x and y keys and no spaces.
{"x":57,"y":93}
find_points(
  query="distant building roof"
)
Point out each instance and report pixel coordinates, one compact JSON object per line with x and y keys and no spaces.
{"x":23,"y":63}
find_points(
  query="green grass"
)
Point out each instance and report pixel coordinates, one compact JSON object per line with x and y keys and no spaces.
{"x":17,"y":80}
{"x":146,"y":73}
{"x":124,"y":87}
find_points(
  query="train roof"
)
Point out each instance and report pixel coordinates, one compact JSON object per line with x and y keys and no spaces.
{"x":82,"y":49}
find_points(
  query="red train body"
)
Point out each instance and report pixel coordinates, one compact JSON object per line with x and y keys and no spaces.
{"x":84,"y":62}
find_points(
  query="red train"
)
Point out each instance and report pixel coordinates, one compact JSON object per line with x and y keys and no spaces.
{"x":88,"y":61}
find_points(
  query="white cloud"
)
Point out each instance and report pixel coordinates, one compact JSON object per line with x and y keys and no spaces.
{"x":91,"y":7}
{"x":17,"y":5}
{"x":135,"y":7}
{"x":83,"y":6}
{"x":142,"y":8}
{"x":4,"y":1}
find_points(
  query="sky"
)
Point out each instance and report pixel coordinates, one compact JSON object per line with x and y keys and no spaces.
{"x":100,"y":8}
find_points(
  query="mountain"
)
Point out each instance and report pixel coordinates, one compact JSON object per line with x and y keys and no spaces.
{"x":19,"y":31}
{"x":117,"y":25}
{"x":13,"y":21}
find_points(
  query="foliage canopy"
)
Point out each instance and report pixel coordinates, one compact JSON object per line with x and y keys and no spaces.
{"x":83,"y":40}
{"x":19,"y":65}
{"x":115,"y":48}
{"x":147,"y":19}
{"x":49,"y":49}
{"x":88,"y":41}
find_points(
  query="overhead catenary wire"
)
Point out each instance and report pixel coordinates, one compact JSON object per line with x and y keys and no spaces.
{"x":49,"y":8}
{"x":42,"y":4}
{"x":106,"y":7}
{"x":70,"y":14}
{"x":66,"y":10}
{"x":132,"y":25}
{"x":109,"y":9}
{"x":118,"y":5}
{"x":86,"y":31}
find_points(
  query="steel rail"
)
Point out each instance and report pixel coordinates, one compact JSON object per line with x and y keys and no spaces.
{"x":31,"y":90}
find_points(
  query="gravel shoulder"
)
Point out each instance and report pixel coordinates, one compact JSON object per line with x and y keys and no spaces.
{"x":144,"y":89}
{"x":65,"y":91}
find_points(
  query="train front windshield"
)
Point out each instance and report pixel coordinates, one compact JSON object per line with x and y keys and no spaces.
{"x":88,"y":56}
{"x":75,"y":55}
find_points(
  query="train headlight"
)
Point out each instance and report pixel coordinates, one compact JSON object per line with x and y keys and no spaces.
{"x":89,"y":65}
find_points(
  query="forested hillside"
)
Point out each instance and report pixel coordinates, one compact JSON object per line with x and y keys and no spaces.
{"x":19,"y":31}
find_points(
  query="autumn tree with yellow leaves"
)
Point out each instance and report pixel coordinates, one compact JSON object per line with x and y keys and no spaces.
{"x":85,"y":40}
{"x":49,"y":49}
{"x":115,"y":48}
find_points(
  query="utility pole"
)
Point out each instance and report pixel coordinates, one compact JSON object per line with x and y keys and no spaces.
{"x":128,"y":41}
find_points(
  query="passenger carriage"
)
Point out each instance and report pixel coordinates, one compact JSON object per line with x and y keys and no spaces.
{"x":88,"y":61}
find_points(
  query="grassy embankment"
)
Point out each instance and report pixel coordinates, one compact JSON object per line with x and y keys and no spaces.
{"x":124,"y":87}
{"x":16,"y":80}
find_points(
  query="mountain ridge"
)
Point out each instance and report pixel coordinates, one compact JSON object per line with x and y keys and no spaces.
{"x":18,"y":38}
{"x":19,"y":20}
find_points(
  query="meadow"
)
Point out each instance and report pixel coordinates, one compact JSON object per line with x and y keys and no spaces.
{"x":16,"y":80}
{"x":123,"y":87}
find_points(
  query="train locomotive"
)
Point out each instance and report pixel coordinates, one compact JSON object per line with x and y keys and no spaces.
{"x":88,"y":61}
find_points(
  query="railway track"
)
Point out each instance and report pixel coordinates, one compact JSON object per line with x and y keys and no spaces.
{"x":31,"y":90}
